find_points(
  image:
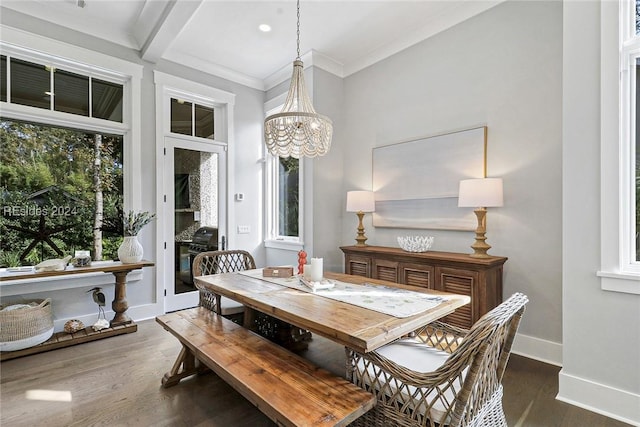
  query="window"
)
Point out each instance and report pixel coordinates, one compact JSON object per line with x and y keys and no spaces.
{"x":284,"y":197}
{"x":46,"y":86}
{"x":620,"y":146}
{"x":189,"y":118}
{"x":630,"y":133}
{"x":65,"y":176}
{"x":61,"y":191}
{"x":288,"y":196}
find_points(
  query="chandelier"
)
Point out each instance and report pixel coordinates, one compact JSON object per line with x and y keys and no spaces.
{"x":298,"y":131}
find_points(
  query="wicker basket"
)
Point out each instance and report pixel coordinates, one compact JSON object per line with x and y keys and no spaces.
{"x":25,"y":325}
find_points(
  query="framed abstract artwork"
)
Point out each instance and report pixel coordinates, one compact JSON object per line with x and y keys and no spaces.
{"x":416,"y":182}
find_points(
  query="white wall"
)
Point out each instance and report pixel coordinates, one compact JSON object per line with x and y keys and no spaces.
{"x":601,"y":329}
{"x":501,"y":69}
{"x":328,"y":171}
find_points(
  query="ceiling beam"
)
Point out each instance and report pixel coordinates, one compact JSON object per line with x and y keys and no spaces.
{"x":167,"y":23}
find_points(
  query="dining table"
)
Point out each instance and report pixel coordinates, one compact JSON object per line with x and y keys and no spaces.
{"x":344,"y":314}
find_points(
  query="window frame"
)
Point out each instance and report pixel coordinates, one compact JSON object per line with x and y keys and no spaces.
{"x":619,"y":49}
{"x":84,"y":61}
{"x":272,"y":238}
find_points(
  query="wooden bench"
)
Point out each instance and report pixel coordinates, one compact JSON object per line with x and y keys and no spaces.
{"x":287,"y":388}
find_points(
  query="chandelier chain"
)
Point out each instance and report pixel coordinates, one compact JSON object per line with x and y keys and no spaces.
{"x":298,"y":31}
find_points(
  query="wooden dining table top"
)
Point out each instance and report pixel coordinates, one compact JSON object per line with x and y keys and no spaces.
{"x":358,"y":328}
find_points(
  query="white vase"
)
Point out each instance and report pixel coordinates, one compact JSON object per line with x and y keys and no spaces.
{"x":130,"y":250}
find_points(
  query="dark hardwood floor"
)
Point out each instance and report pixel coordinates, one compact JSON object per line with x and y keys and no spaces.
{"x":116,"y":382}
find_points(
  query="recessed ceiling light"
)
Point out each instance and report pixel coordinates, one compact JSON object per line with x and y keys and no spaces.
{"x":265,"y":28}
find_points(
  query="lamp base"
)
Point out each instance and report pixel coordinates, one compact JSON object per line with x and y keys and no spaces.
{"x":480,"y":246}
{"x":360,"y":238}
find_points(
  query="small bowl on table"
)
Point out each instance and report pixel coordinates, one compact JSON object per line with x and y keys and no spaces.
{"x":415,"y":243}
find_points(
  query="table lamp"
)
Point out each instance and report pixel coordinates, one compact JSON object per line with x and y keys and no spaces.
{"x":480,"y":193}
{"x":360,"y":202}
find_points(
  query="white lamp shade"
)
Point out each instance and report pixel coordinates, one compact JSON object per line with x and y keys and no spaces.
{"x":360,"y":201}
{"x":480,"y":192}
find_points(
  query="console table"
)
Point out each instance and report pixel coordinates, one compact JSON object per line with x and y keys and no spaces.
{"x":121,"y":323}
{"x":480,"y":278}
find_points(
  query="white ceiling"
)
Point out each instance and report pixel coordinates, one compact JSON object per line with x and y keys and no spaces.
{"x":222,"y":37}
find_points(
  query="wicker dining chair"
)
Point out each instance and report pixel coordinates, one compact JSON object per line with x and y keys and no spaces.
{"x":214,"y":262}
{"x":441,"y":375}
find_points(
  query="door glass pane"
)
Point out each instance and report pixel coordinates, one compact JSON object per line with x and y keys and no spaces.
{"x":30,"y":84}
{"x":106,"y":100}
{"x":204,"y":122}
{"x":181,"y":117}
{"x":196,"y":206}
{"x":71,"y":93}
{"x":3,"y":78}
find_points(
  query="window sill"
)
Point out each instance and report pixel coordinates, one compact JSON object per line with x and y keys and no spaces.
{"x":628,"y":283}
{"x":284,"y":245}
{"x":55,"y":283}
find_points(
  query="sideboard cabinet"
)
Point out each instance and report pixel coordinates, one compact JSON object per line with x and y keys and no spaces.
{"x":480,"y":278}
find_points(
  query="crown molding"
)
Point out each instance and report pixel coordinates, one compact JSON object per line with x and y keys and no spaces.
{"x":214,"y":69}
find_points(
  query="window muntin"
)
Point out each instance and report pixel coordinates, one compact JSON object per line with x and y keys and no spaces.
{"x":45,"y":86}
{"x":190,"y":118}
{"x":3,"y":78}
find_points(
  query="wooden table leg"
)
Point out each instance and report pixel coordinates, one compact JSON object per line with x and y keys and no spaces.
{"x":120,"y":304}
{"x":185,"y":365}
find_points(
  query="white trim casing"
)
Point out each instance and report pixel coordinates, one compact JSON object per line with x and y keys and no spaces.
{"x":167,"y":85}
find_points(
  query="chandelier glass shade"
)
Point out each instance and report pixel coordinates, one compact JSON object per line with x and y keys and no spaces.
{"x":298,"y":131}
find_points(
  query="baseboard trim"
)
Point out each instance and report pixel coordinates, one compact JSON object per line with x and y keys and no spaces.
{"x":538,"y":349}
{"x":611,"y":402}
{"x":137,"y":313}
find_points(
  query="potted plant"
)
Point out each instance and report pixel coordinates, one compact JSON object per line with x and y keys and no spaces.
{"x":131,"y":251}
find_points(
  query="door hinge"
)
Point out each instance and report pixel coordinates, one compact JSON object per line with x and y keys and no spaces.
{"x":165,"y":245}
{"x":165,"y":151}
{"x":165,"y":292}
{"x":165,"y":198}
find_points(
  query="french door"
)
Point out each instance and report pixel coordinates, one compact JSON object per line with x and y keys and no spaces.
{"x":195,"y":183}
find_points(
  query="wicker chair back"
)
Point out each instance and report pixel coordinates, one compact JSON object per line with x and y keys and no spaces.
{"x":464,"y":389}
{"x":214,"y":262}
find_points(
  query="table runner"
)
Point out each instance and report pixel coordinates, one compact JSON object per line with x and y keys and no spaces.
{"x":384,"y":299}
